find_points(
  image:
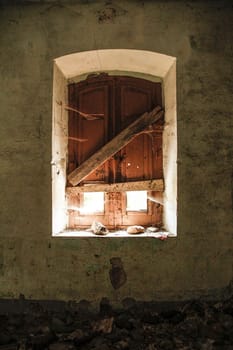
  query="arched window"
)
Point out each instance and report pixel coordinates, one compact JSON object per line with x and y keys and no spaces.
{"x":97,"y":95}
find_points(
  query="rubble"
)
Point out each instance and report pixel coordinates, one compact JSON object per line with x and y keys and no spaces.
{"x":135,"y":326}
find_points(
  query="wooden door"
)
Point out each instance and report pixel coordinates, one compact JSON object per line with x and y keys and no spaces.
{"x":116,"y":102}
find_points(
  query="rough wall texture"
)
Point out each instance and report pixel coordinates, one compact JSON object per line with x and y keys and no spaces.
{"x":197,"y":262}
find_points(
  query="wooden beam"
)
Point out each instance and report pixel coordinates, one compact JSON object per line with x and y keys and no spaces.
{"x":113,"y":146}
{"x":147,"y":185}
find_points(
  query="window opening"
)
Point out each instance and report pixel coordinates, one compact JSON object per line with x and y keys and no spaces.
{"x":122,"y":115}
{"x":136,"y":201}
{"x":67,"y":199}
{"x":93,"y":202}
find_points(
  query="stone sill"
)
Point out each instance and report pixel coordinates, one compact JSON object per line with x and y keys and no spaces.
{"x":120,"y":234}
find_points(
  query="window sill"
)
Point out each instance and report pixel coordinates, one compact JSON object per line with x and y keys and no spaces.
{"x":121,"y":233}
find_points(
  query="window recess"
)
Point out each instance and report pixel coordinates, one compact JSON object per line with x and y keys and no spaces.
{"x":136,"y":201}
{"x":114,"y":152}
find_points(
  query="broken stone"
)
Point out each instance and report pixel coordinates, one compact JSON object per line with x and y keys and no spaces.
{"x":173,"y":316}
{"x":152,"y":346}
{"x":103,"y":326}
{"x":138,"y":325}
{"x":98,"y":342}
{"x":58,"y":326}
{"x":226,"y":321}
{"x":81,"y":336}
{"x":165,"y":344}
{"x":78,"y":334}
{"x":98,"y":228}
{"x":122,"y":344}
{"x":124,"y":321}
{"x":151,"y":317}
{"x":41,"y":341}
{"x":135,"y":229}
{"x":117,"y":334}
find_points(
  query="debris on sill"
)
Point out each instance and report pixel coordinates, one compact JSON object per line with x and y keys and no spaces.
{"x":135,"y":229}
{"x":99,"y":229}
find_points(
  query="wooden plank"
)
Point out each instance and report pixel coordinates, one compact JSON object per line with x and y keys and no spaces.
{"x":113,"y":146}
{"x":147,"y":185}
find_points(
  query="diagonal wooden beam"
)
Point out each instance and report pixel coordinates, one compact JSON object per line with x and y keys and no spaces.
{"x":113,"y":146}
{"x":146,"y":185}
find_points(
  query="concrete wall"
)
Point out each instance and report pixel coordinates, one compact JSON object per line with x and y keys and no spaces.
{"x":197,"y":262}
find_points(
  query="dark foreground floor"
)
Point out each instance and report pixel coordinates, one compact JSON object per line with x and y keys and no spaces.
{"x":194,"y":325}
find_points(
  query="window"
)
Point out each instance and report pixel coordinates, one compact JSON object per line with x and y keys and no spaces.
{"x":136,"y":201}
{"x":93,"y":202}
{"x":99,"y":109}
{"x":74,"y":68}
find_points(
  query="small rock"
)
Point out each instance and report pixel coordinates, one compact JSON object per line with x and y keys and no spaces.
{"x":191,"y":327}
{"x":57,"y":325}
{"x":117,"y":335}
{"x":173,"y":316}
{"x":80,"y":337}
{"x":151,"y":317}
{"x":166,"y":344}
{"x":135,"y":229}
{"x":137,"y":335}
{"x":78,"y":334}
{"x":122,"y":344}
{"x":123,"y":321}
{"x":98,"y":228}
{"x":40,"y":342}
{"x":97,"y":342}
{"x":103,"y":326}
{"x":226,"y":321}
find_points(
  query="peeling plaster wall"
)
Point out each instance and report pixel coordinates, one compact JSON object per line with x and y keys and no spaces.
{"x":196,"y":263}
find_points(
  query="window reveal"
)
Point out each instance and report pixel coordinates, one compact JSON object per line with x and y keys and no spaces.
{"x":113,"y":104}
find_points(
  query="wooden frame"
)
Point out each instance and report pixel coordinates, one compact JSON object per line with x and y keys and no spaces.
{"x":147,"y":185}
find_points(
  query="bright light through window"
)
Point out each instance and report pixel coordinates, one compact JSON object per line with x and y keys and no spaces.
{"x":136,"y":200}
{"x":93,"y":202}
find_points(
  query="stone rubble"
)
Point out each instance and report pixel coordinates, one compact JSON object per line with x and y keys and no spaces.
{"x":196,"y":325}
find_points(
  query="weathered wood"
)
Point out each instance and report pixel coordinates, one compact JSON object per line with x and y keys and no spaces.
{"x":147,"y":185}
{"x":113,"y":146}
{"x":85,"y":115}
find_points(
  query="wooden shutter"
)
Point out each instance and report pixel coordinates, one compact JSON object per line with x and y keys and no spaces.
{"x":119,"y":101}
